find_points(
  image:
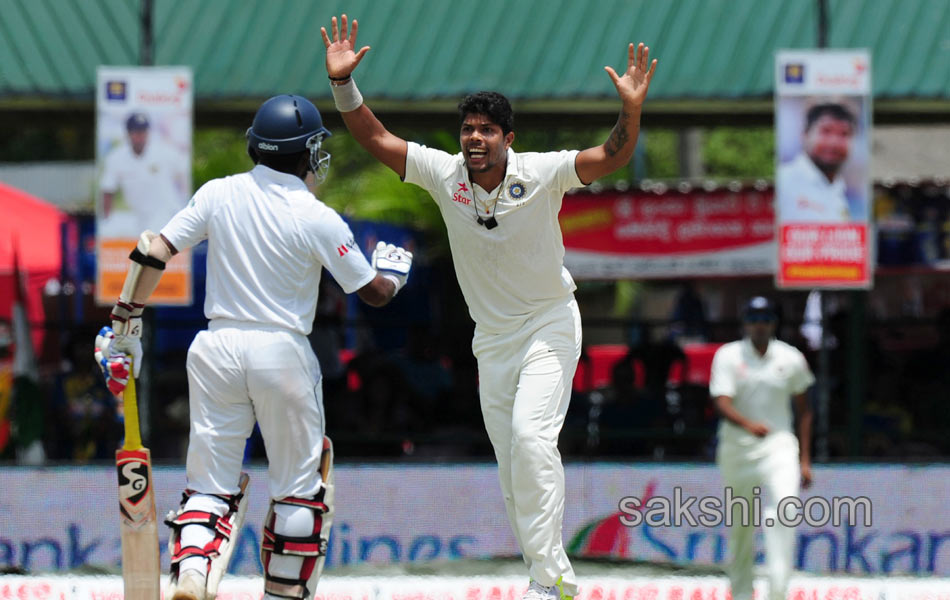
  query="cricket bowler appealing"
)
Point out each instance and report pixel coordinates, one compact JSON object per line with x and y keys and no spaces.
{"x":500,"y":208}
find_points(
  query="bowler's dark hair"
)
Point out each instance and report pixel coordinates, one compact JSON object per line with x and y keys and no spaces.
{"x":833,"y":110}
{"x":491,"y":104}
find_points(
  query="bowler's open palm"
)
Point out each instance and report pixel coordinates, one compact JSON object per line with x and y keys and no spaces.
{"x":633,"y":84}
{"x":342,"y":57}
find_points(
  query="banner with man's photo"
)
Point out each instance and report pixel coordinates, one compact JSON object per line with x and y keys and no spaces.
{"x":822,"y":181}
{"x":143,"y":159}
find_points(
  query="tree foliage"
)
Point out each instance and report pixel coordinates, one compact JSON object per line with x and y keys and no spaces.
{"x":739,"y":152}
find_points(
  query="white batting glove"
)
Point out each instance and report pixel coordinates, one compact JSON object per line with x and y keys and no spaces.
{"x":114,"y":363}
{"x":127,"y":327}
{"x":393,"y":263}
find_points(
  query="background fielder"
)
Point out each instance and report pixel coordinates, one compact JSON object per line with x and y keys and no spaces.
{"x":500,"y":209}
{"x":752,"y":382}
{"x":268,"y":240}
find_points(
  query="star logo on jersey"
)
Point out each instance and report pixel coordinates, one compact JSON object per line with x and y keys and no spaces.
{"x":458,"y":197}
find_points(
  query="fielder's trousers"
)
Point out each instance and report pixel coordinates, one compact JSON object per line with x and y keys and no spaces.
{"x":525,"y":386}
{"x":772,"y":466}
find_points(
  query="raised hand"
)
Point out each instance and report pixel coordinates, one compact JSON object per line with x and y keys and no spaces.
{"x":633,"y":84}
{"x":342,"y":56}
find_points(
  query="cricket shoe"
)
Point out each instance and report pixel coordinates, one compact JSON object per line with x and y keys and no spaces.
{"x":559,"y":586}
{"x":191,"y":586}
{"x":536,"y":591}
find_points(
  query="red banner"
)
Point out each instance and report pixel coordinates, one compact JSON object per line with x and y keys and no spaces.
{"x":611,"y":235}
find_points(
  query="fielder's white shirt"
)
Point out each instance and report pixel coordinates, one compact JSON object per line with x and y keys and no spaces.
{"x":268,"y":238}
{"x":509,"y":272}
{"x":805,"y":194}
{"x":149,"y":183}
{"x":761,"y":387}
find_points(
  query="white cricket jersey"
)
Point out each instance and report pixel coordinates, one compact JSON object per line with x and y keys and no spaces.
{"x":508,"y":272}
{"x":268,"y":238}
{"x":151,"y":184}
{"x":761,"y":387}
{"x":805,"y":194}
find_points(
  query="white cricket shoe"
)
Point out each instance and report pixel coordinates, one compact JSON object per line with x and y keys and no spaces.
{"x":536,"y":591}
{"x":191,"y":586}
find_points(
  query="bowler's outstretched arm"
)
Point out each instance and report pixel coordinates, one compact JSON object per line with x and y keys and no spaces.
{"x":617,"y":150}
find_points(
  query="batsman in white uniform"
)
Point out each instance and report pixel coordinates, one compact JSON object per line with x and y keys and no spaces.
{"x":500,"y":208}
{"x":753,"y":383}
{"x":268,"y":240}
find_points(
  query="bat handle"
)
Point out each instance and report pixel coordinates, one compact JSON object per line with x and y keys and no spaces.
{"x":133,"y":435}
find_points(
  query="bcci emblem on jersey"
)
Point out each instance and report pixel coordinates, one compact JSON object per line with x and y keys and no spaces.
{"x":516,"y":190}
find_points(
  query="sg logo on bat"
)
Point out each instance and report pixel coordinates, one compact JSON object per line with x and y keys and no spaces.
{"x":134,"y":484}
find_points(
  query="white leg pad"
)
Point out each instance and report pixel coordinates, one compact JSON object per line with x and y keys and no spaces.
{"x":219,"y":565}
{"x":204,"y":532}
{"x":293,"y":548}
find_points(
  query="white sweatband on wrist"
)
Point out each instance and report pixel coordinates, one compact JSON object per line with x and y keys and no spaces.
{"x":347,"y":97}
{"x":395,"y":281}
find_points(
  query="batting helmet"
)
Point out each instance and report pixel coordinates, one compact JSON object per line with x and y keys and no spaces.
{"x":289,"y":124}
{"x":283,"y":125}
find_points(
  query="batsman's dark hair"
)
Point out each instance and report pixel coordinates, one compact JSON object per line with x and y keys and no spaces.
{"x":832,"y":109}
{"x":491,"y":104}
{"x":285,"y":163}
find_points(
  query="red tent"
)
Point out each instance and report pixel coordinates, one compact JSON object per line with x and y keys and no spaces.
{"x":30,"y":234}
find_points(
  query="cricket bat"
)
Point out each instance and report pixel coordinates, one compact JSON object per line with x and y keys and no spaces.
{"x":138,"y":525}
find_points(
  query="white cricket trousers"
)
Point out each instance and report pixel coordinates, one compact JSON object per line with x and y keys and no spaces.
{"x":774,"y":467}
{"x":239,"y":372}
{"x":525,"y":386}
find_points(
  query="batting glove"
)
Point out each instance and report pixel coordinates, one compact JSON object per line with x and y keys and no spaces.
{"x":115,"y":364}
{"x":393,"y":263}
{"x":131,"y":343}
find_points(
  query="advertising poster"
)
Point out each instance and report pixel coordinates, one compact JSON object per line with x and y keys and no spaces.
{"x":615,"y":235}
{"x":867,"y":520}
{"x":822,"y":182}
{"x":143,"y":160}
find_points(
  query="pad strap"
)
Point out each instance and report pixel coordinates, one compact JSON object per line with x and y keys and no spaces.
{"x":286,"y":588}
{"x":221,"y":526}
{"x":311,"y":545}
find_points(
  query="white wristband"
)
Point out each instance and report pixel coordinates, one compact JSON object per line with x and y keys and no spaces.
{"x":395,"y":281}
{"x":347,"y":97}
